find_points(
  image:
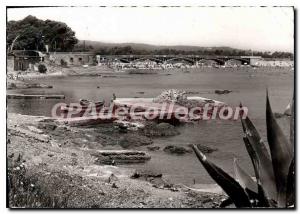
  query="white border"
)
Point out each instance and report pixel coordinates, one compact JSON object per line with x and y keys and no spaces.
{"x":107,"y":3}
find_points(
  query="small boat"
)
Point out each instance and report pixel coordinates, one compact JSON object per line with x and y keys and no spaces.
{"x":85,"y":102}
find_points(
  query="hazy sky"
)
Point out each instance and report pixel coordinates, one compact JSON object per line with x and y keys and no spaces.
{"x":256,"y":28}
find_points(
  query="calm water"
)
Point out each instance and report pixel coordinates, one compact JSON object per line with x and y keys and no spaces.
{"x":226,"y":136}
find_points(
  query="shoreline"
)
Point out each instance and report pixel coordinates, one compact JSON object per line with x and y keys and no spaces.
{"x":58,"y":71}
{"x":30,"y":80}
{"x":52,"y":160}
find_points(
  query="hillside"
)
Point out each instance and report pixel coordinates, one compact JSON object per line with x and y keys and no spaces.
{"x":147,"y":47}
{"x":144,"y":49}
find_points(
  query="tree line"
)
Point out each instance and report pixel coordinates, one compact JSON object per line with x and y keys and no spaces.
{"x":127,"y":50}
{"x":32,"y":33}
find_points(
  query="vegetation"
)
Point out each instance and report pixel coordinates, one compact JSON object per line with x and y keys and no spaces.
{"x":24,"y":191}
{"x":217,"y":52}
{"x":33,"y":34}
{"x":42,"y":68}
{"x":142,"y":49}
{"x":274,"y":185}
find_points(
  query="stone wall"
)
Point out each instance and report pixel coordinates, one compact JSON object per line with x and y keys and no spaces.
{"x":73,"y":58}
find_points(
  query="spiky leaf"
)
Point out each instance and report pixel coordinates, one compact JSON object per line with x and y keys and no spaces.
{"x":243,"y":178}
{"x":253,"y":135}
{"x":262,"y":159}
{"x":292,"y":124}
{"x":261,"y":196}
{"x":281,"y":153}
{"x":290,"y":190}
{"x":231,"y":187}
{"x":253,"y":157}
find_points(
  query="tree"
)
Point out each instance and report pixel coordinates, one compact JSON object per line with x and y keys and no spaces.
{"x":34,"y":34}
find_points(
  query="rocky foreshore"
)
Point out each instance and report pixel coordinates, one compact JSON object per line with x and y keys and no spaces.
{"x":54,"y":165}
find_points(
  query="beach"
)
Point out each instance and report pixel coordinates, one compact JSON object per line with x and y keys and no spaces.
{"x":224,"y":138}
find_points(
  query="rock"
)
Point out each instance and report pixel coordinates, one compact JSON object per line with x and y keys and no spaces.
{"x":205,"y":149}
{"x":62,"y":129}
{"x":35,"y":130}
{"x":132,"y":140}
{"x":172,"y":149}
{"x":114,"y":185}
{"x":160,"y":130}
{"x":171,"y":95}
{"x":120,"y":156}
{"x":145,"y":175}
{"x":48,"y":126}
{"x":222,"y":91}
{"x":153,"y":148}
{"x":132,"y":126}
{"x":192,"y":92}
{"x":73,"y":154}
{"x":30,"y":134}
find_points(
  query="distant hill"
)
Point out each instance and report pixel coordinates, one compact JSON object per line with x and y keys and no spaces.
{"x":144,"y":49}
{"x":140,"y":46}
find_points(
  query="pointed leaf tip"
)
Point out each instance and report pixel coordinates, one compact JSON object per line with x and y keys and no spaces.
{"x":260,"y":158}
{"x":281,"y":153}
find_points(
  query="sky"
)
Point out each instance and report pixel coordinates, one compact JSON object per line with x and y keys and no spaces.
{"x":255,"y":28}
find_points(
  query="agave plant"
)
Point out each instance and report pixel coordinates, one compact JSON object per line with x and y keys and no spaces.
{"x":274,"y":183}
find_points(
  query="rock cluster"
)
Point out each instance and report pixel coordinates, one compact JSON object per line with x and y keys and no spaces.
{"x":159,"y":130}
{"x":171,"y":95}
{"x":132,"y":140}
{"x":179,"y":150}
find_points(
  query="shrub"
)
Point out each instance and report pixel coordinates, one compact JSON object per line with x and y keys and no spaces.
{"x":63,"y":63}
{"x":42,"y":68}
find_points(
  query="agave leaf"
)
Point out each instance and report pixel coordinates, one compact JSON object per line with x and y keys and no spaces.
{"x":231,"y":187}
{"x":292,"y":124}
{"x":261,"y":195}
{"x":263,"y":201}
{"x":263,"y":164}
{"x":281,"y":153}
{"x":226,"y":203}
{"x":253,"y":136}
{"x":243,"y":178}
{"x":290,"y":190}
{"x":253,"y":157}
